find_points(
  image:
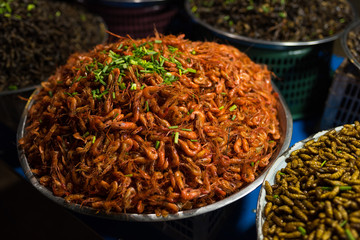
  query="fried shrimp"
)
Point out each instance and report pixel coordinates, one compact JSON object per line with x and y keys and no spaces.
{"x":154,"y":125}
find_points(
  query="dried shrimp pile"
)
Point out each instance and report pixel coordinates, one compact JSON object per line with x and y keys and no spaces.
{"x":154,"y":125}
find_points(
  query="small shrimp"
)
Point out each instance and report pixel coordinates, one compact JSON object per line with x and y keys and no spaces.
{"x":112,"y":190}
{"x":179,"y":178}
{"x":161,"y":153}
{"x":123,"y":126}
{"x":190,"y":194}
{"x":247,"y":173}
{"x":188,"y":151}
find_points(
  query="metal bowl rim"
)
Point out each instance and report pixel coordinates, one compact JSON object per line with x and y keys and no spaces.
{"x":150,"y":217}
{"x":255,"y":42}
{"x":355,"y":26}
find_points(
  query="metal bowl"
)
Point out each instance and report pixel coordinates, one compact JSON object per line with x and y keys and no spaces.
{"x":286,"y":128}
{"x":12,"y":103}
{"x":355,"y":26}
{"x":259,"y":43}
{"x":270,"y":177}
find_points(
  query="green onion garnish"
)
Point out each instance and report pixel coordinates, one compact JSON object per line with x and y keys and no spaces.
{"x":233,"y":117}
{"x":157,"y":144}
{"x":349,"y":234}
{"x":323,"y":163}
{"x":186,"y":129}
{"x":275,"y":196}
{"x":302,"y":230}
{"x":94,"y":138}
{"x":133,"y":86}
{"x":343,"y":223}
{"x":222,"y":107}
{"x":173,"y":127}
{"x":176,"y":137}
{"x":232,"y":108}
{"x":147,"y":106}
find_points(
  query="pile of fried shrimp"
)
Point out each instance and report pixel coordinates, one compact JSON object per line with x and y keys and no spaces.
{"x":154,"y":125}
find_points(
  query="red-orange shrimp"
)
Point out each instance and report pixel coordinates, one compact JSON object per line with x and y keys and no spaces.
{"x":190,"y":194}
{"x":123,"y":125}
{"x":161,"y":153}
{"x":112,"y":190}
{"x":247,"y":173}
{"x":96,"y":147}
{"x":179,"y":178}
{"x":150,"y":91}
{"x":187,"y":150}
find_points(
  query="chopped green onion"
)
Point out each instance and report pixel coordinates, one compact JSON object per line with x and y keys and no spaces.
{"x":345,"y":188}
{"x":12,"y":87}
{"x":302,"y":230}
{"x":223,"y":93}
{"x":94,"y":138}
{"x":133,"y":86}
{"x":122,"y":86}
{"x":147,"y":106}
{"x":113,"y":95}
{"x":349,"y":234}
{"x":193,"y":140}
{"x":142,"y":87}
{"x":282,"y":14}
{"x":50,"y":94}
{"x":252,"y":164}
{"x":233,"y":117}
{"x":275,"y":196}
{"x":343,"y":223}
{"x":30,"y":7}
{"x":128,"y":175}
{"x":173,"y":127}
{"x":157,"y":41}
{"x":186,"y":129}
{"x":341,"y":188}
{"x":232,"y":108}
{"x":190,"y":70}
{"x":193,"y":52}
{"x":86,"y":134}
{"x":222,"y":107}
{"x":157,"y":144}
{"x":176,"y":137}
{"x":281,"y":173}
{"x":323,"y":163}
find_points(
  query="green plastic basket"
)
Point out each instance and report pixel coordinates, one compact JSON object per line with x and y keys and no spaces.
{"x":302,"y":75}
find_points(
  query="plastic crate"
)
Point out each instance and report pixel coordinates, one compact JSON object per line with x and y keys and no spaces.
{"x":201,"y":227}
{"x":343,"y":102}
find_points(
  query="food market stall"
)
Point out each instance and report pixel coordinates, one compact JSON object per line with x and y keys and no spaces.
{"x":232,"y":219}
